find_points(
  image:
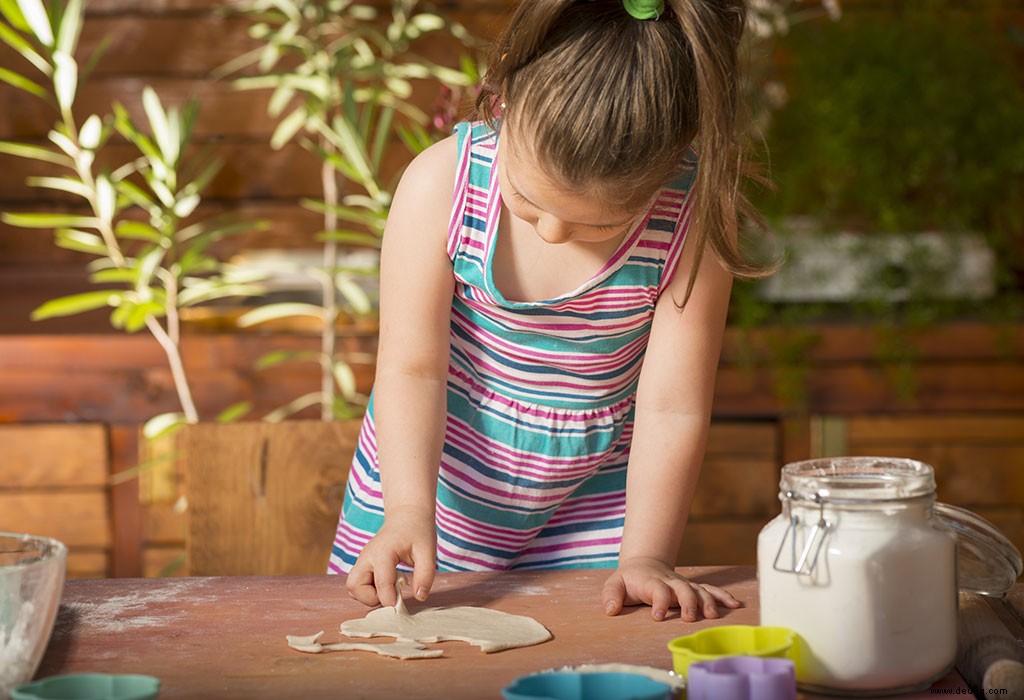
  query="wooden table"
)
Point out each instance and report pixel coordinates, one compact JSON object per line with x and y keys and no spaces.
{"x":223,"y":637}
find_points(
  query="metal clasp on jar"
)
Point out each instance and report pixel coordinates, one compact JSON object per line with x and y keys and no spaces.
{"x":804,"y":565}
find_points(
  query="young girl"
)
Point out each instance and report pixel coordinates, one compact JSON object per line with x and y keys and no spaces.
{"x":560,"y":322}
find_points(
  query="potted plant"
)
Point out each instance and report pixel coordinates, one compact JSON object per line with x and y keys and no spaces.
{"x":339,"y":79}
{"x":340,"y":84}
{"x":150,"y":253}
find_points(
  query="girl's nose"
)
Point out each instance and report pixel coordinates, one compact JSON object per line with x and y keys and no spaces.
{"x":552,"y":230}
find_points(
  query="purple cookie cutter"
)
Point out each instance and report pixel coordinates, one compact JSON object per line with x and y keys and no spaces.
{"x":742,"y":678}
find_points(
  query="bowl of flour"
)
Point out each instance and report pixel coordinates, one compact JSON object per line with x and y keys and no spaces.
{"x":31,"y":581}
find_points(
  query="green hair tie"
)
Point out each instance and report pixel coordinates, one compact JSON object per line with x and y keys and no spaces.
{"x":644,"y":9}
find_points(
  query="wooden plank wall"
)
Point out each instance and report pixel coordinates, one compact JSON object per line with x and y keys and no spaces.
{"x":55,"y":485}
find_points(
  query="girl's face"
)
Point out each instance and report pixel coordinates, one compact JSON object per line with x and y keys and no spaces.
{"x":556,"y":214}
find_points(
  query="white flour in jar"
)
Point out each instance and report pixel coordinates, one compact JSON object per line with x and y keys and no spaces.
{"x":878,"y":611}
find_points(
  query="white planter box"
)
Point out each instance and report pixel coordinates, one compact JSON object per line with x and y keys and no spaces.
{"x":842,"y":267}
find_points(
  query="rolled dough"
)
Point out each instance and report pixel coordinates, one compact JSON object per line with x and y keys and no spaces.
{"x":491,"y":630}
{"x":399,"y":650}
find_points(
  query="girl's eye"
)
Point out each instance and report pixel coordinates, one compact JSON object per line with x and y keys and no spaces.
{"x":521,"y":198}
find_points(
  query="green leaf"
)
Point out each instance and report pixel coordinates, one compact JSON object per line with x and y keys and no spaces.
{"x":204,"y":178}
{"x":81,"y":241}
{"x":12,"y":12}
{"x":293,"y":407}
{"x":381,"y":137}
{"x":65,"y":80}
{"x":136,"y":195}
{"x":115,"y":275}
{"x":281,"y":98}
{"x":184,"y":207}
{"x":91,"y":134}
{"x":287,"y":128}
{"x":163,"y":424}
{"x":199,"y":295}
{"x":355,"y":238}
{"x":63,"y":184}
{"x":65,"y":144}
{"x":344,"y":136}
{"x":149,"y":262}
{"x":353,"y":294}
{"x":22,"y":83}
{"x":140,"y":314}
{"x":160,"y":125}
{"x":279,"y":357}
{"x":19,"y":44}
{"x":272,"y":312}
{"x":427,"y":22}
{"x":106,"y":199}
{"x":43,"y":220}
{"x":345,"y":378}
{"x":139,"y":231}
{"x":234,"y":412}
{"x":94,"y":57}
{"x":37,"y":20}
{"x":70,"y":27}
{"x":75,"y":304}
{"x":39,"y":153}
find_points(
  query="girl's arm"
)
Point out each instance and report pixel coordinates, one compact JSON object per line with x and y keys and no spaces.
{"x":416,"y":286}
{"x":673,"y":410}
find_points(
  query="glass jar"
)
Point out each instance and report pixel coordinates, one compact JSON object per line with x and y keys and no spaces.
{"x":861,"y":568}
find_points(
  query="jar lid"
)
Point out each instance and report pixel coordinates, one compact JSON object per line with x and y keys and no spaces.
{"x":987,"y":562}
{"x":857,"y":479}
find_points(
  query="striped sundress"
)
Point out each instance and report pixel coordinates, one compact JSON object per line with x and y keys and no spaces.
{"x":540,"y":395}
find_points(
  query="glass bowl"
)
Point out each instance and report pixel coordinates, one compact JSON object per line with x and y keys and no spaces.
{"x":31,"y":581}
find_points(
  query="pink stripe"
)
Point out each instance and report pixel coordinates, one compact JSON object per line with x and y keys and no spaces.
{"x":583,"y":385}
{"x":679,"y":237}
{"x":594,"y":362}
{"x":455,"y":224}
{"x":574,"y":545}
{"x":466,"y":559}
{"x":604,"y":412}
{"x":560,"y":467}
{"x":503,"y":496}
{"x":488,"y":538}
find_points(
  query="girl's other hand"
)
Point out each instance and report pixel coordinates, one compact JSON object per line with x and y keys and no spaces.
{"x":407,"y":537}
{"x":642,"y":581}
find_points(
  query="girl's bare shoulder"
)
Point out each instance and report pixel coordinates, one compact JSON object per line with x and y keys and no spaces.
{"x":432,"y":172}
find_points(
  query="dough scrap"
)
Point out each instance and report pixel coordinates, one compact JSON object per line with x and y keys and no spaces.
{"x":491,"y":630}
{"x":399,"y":650}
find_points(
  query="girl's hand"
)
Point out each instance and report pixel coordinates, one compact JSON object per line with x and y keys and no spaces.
{"x":649,"y":581}
{"x":407,"y":536}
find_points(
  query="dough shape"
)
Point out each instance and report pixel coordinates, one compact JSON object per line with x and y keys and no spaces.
{"x":398,"y":650}
{"x":491,"y":630}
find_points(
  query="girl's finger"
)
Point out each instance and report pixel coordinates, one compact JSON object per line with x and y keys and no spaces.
{"x":723,"y":596}
{"x":689,"y":601}
{"x":360,"y":585}
{"x":424,"y":568}
{"x":613,"y":595}
{"x":707,"y":601}
{"x":662,"y":599}
{"x":385,"y":579}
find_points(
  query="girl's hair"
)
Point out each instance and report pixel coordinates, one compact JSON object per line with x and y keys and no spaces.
{"x":612,"y":103}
